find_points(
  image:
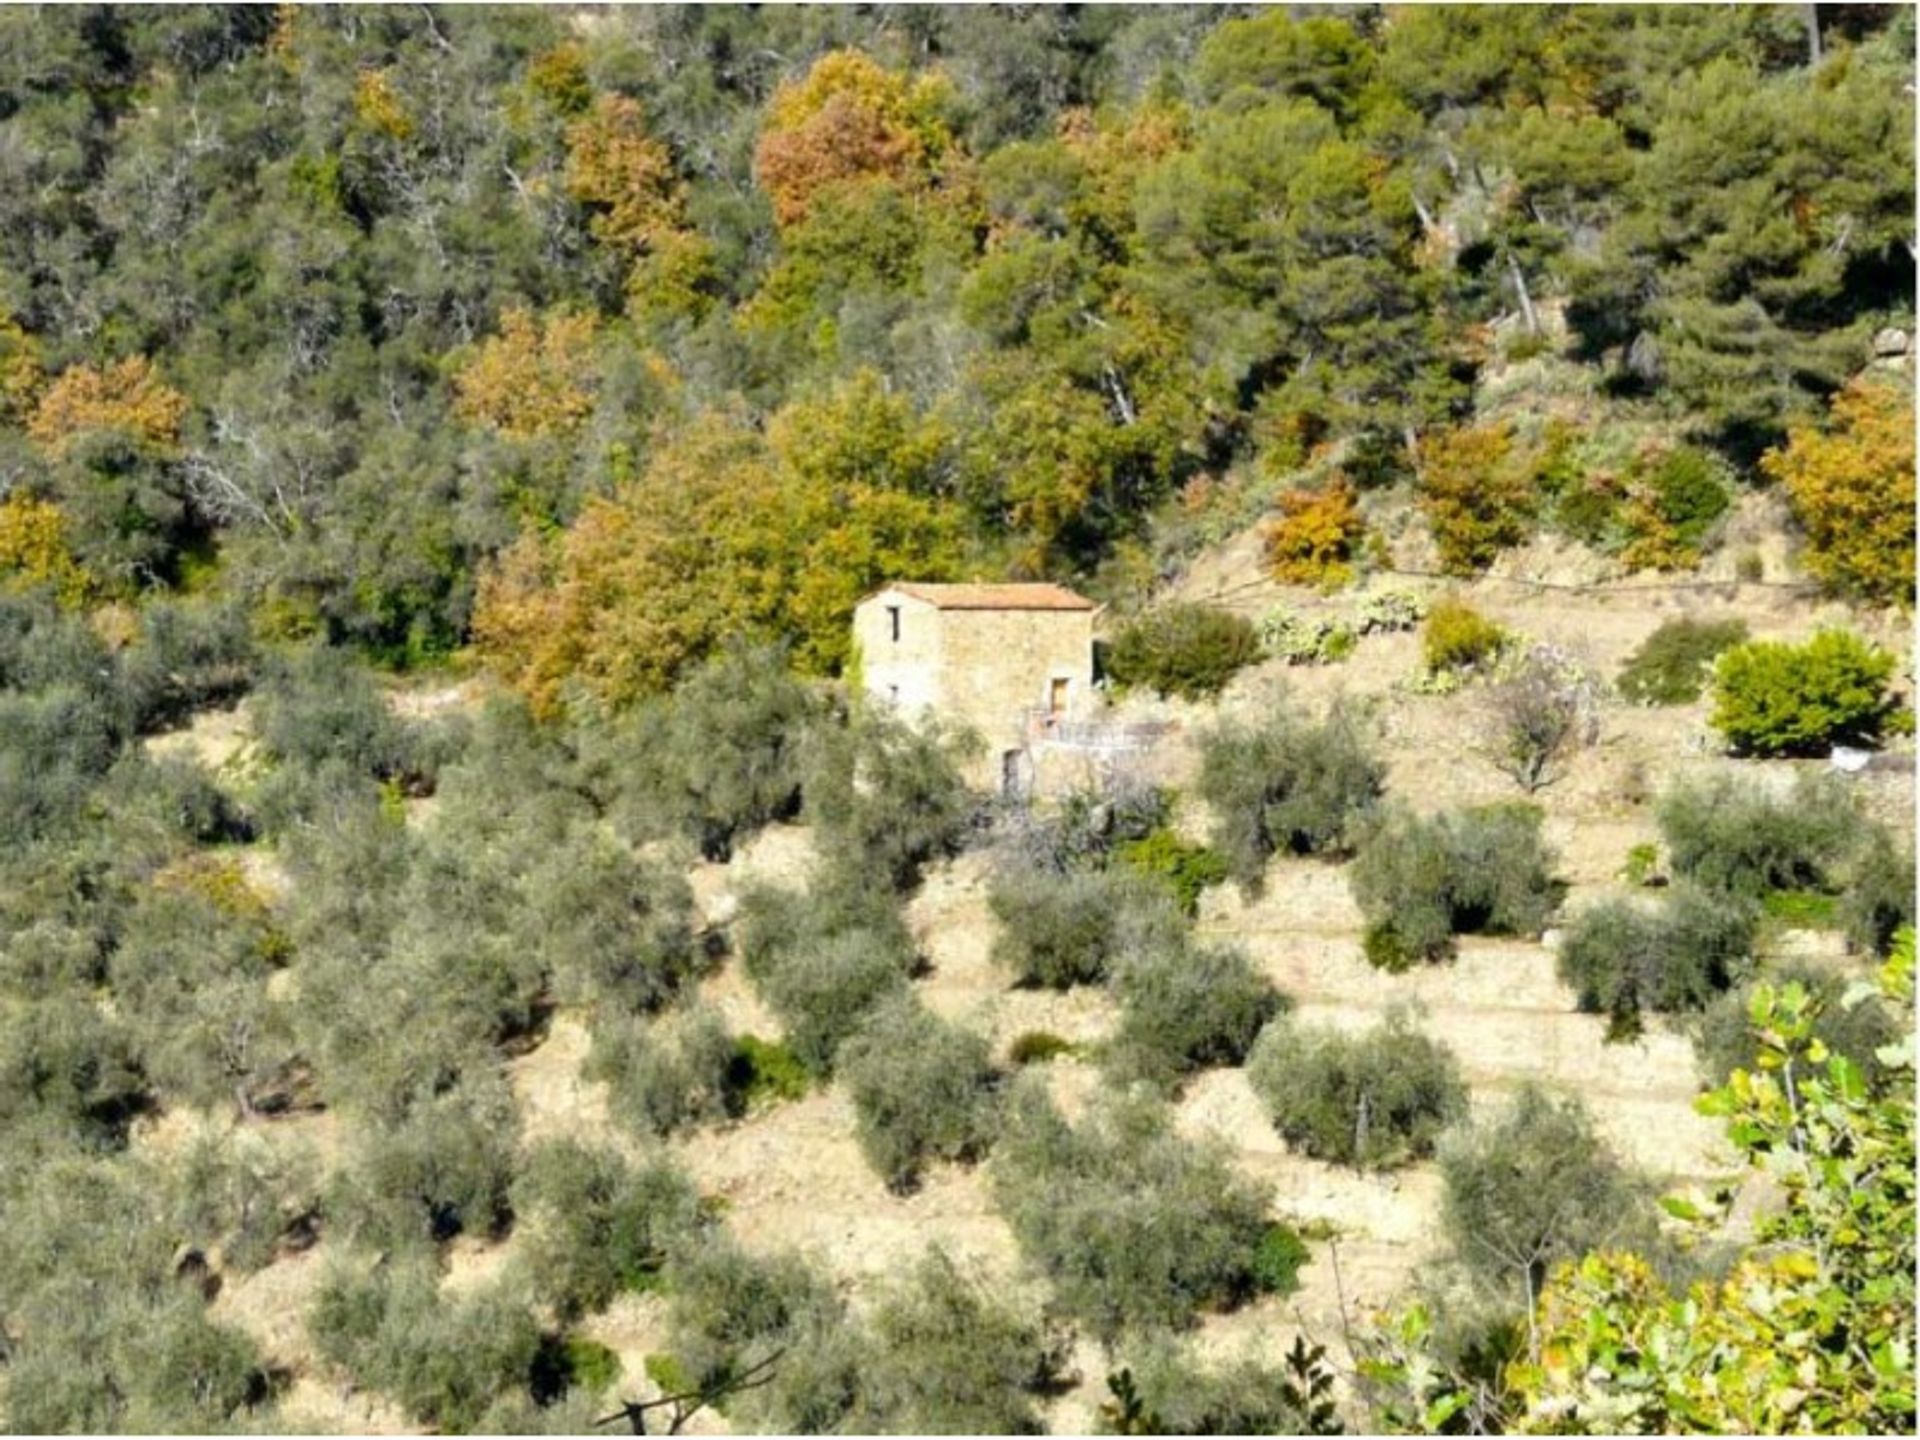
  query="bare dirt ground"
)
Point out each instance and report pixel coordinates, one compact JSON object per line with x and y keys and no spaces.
{"x":792,"y":1177}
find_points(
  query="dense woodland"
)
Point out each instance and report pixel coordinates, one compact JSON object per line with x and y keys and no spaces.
{"x":612,"y":356}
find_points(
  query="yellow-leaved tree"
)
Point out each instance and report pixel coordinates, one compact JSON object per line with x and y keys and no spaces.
{"x":20,"y":374}
{"x":1852,"y":488}
{"x":1477,"y":497}
{"x":1317,"y":537}
{"x":623,"y":173}
{"x":128,"y":396}
{"x":536,"y":377}
{"x":724,"y":534}
{"x":34,"y":549}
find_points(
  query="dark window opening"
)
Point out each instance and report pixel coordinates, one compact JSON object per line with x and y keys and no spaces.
{"x":893,"y":620}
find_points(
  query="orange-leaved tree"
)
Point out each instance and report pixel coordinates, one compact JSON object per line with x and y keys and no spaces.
{"x":721,"y":535}
{"x":128,"y":396}
{"x":1317,"y":537}
{"x":1478,"y":501}
{"x":698,"y":548}
{"x":1852,"y":489}
{"x":849,"y":118}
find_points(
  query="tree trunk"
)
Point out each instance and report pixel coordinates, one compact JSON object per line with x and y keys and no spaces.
{"x":1526,"y":296}
{"x":1813,"y":35}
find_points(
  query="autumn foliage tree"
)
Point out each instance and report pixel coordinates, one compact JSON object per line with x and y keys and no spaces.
{"x":34,"y":549}
{"x":1317,"y":537}
{"x":128,"y":396}
{"x":1478,"y":501}
{"x":1852,"y":489}
{"x":848,"y":118}
{"x":722,"y":535}
{"x":536,"y":377}
{"x":623,"y":174}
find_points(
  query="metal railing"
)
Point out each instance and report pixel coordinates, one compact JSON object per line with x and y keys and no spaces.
{"x":1046,"y":728}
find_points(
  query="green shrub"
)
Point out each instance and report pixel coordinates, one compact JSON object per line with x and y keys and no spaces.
{"x":1671,"y":510}
{"x":1187,"y":869}
{"x":1174,"y":1390}
{"x":1285,"y":787}
{"x":1278,"y":1260}
{"x":1058,"y":930}
{"x":767,"y":1072}
{"x":1458,"y":637}
{"x":950,"y":1359}
{"x":595,"y":1226}
{"x":587,"y":1365}
{"x":1373,"y":1101}
{"x":1191,"y":651}
{"x":1879,"y":894}
{"x":822,"y":959}
{"x":1724,"y":1040}
{"x":730,"y":1312}
{"x":1729,"y":835}
{"x":1776,"y":698}
{"x":441,"y":1171}
{"x":1590,"y":511}
{"x":1674,"y":663}
{"x":1186,"y":1006}
{"x":1480,"y":871}
{"x":1801,"y":909}
{"x":1643,"y":865}
{"x":720,"y":757}
{"x":890,"y":794}
{"x":1622,"y":959}
{"x":922,"y":1090}
{"x":1038,"y":1047}
{"x":670,"y":1074}
{"x":1535,"y":1185}
{"x":1133,"y":1225}
{"x":444,"y":1361}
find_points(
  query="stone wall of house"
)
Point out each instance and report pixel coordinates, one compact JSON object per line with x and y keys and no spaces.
{"x":904,"y":671}
{"x":998,"y":666}
{"x":987,"y":669}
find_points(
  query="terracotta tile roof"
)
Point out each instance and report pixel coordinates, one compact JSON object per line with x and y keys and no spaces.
{"x":996,"y":597}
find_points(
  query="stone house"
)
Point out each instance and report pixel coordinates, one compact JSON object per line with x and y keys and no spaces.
{"x":1012,"y":662}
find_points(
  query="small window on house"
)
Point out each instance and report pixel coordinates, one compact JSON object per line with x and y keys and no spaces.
{"x":893,"y":694}
{"x":893,"y":622}
{"x":1057,"y":696}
